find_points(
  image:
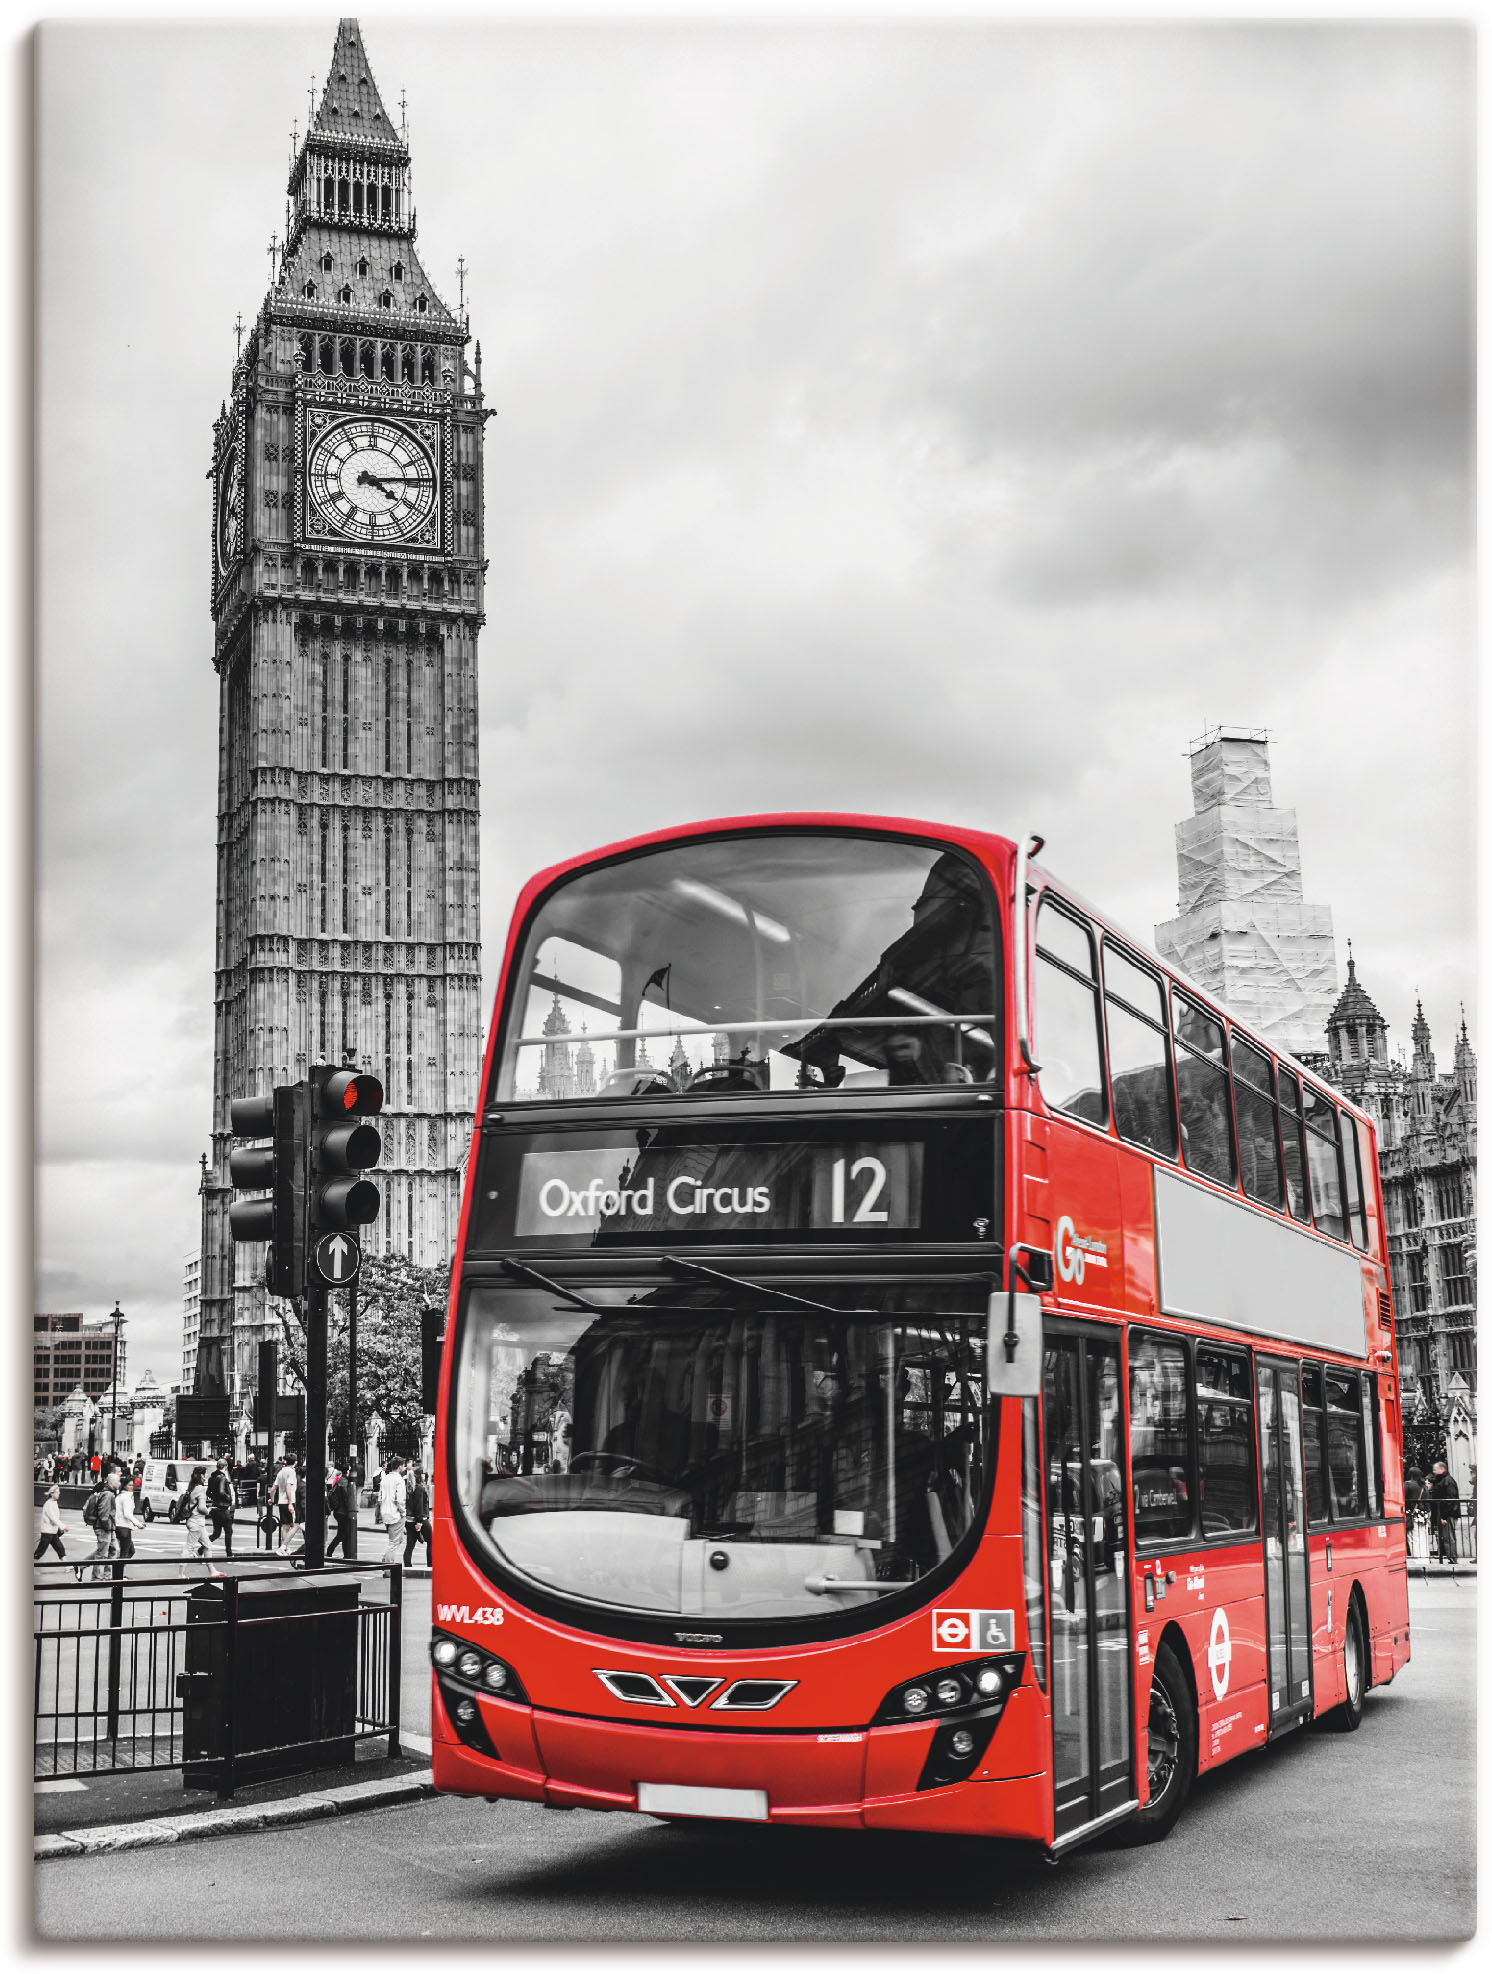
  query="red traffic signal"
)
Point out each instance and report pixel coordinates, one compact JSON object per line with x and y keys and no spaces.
{"x":348,"y":1093}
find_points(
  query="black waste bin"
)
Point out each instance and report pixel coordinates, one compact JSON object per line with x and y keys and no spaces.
{"x":290,"y":1702}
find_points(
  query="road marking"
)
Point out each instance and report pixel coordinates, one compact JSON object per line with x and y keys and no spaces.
{"x":58,"y":1788}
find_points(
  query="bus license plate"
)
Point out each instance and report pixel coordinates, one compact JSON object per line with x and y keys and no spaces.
{"x":677,"y":1799}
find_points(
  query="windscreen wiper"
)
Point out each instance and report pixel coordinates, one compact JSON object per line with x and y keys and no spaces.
{"x":681,"y":1266}
{"x":524,"y":1273}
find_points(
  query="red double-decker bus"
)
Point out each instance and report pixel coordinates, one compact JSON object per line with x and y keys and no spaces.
{"x":913,"y":1361}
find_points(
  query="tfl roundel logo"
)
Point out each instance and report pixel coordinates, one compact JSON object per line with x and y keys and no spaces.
{"x":973,"y":1631}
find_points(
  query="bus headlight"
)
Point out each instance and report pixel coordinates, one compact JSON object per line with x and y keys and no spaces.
{"x":978,"y":1687}
{"x":496,"y":1676}
{"x":444,"y":1651}
{"x":469,"y":1664}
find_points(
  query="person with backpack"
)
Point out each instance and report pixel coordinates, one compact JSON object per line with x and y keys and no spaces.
{"x":220,"y":1499}
{"x":341,"y":1505}
{"x":51,"y":1532}
{"x":99,"y":1513}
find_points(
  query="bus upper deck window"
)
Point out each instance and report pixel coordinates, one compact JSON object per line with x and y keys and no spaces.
{"x":1324,"y":1153}
{"x":1139,"y":1054}
{"x":1358,"y":1169}
{"x":1202,"y":1092}
{"x":1292,"y":1140}
{"x":1258,"y":1144}
{"x":1067,"y":1028}
{"x":759,"y":963}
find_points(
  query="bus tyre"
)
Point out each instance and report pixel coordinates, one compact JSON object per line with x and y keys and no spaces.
{"x":1172,"y":1741}
{"x":1348,"y":1716}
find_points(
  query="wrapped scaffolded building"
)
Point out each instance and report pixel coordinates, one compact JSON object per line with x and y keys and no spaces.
{"x":1243,"y":929}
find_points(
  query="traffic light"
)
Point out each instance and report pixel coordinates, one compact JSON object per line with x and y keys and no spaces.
{"x":278,"y":1168}
{"x":343,"y":1145}
{"x":432,"y":1337}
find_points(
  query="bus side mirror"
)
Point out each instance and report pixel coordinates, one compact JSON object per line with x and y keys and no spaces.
{"x":1013,"y":1346}
{"x":1039,"y":1269}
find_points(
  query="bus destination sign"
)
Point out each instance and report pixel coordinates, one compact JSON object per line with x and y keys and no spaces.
{"x":750,"y":1189}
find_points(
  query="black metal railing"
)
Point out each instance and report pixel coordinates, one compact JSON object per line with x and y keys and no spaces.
{"x":1442,"y":1533}
{"x":231,"y":1678}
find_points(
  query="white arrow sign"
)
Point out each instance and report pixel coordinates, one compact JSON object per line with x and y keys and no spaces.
{"x":338,"y":1258}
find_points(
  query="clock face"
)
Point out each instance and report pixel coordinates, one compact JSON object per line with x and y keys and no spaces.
{"x":230,"y":507}
{"x":373,"y":480}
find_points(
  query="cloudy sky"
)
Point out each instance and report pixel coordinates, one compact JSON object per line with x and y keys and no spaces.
{"x":940,"y":421}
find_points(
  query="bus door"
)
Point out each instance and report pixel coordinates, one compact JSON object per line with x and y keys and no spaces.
{"x":1286,"y":1570}
{"x":1088,"y":1544}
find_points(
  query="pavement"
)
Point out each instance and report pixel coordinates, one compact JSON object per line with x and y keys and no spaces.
{"x":77,"y":1816}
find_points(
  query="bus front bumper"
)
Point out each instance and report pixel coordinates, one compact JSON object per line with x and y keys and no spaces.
{"x":867,"y":1779}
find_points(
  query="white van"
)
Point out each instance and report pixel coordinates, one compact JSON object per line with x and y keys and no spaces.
{"x":163,"y":1488}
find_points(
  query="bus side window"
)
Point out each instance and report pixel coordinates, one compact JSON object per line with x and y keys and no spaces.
{"x":1318,"y":1501}
{"x":1325,"y":1155}
{"x":1358,"y":1171}
{"x":1344,"y":1445}
{"x":1202,"y":1092}
{"x":1139,"y":1054}
{"x":1067,"y":1028}
{"x":1258,"y":1144}
{"x":1160,"y":1438}
{"x":1293,"y":1140}
{"x":1373,"y":1444}
{"x":1229,"y":1496}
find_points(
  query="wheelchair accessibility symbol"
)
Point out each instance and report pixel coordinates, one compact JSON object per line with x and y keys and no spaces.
{"x":973,"y":1631}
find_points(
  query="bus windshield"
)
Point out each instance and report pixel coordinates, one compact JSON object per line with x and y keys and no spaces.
{"x":768,"y":962}
{"x":698,"y":1452}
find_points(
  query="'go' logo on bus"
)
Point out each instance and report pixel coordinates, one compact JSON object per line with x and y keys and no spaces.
{"x":1077,"y":1252}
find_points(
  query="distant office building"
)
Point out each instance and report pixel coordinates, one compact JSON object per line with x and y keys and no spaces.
{"x":69,"y":1352}
{"x":191,"y":1315}
{"x":1243,"y":929}
{"x":1427,"y":1157}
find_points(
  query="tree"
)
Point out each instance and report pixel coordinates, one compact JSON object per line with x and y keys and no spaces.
{"x":391,"y":1293}
{"x":1424,"y":1431}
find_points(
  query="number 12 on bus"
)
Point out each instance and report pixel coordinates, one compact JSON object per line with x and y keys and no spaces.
{"x":915,"y":1361}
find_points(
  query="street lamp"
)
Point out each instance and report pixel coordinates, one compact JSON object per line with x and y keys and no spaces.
{"x":117,"y":1318}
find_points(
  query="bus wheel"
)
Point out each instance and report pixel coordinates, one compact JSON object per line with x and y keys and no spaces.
{"x":1346,"y":1717}
{"x":1172,"y":1737}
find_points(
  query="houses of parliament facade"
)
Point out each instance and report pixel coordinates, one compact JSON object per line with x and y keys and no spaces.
{"x":347,"y":595}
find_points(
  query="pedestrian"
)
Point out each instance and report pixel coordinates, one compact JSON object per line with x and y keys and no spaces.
{"x":419,"y":1506}
{"x":99,"y":1512}
{"x":125,"y":1522}
{"x":52,"y":1529}
{"x":391,"y":1509}
{"x":220,"y":1499}
{"x":194,"y":1514}
{"x":341,"y":1505}
{"x":283,"y":1497}
{"x":1445,"y":1510}
{"x":95,"y":1465}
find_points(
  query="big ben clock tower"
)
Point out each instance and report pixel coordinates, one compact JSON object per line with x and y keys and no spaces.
{"x":346,"y":598}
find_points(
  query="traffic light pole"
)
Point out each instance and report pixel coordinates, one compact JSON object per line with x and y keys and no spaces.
{"x":315,"y":1306}
{"x":352,"y":1439}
